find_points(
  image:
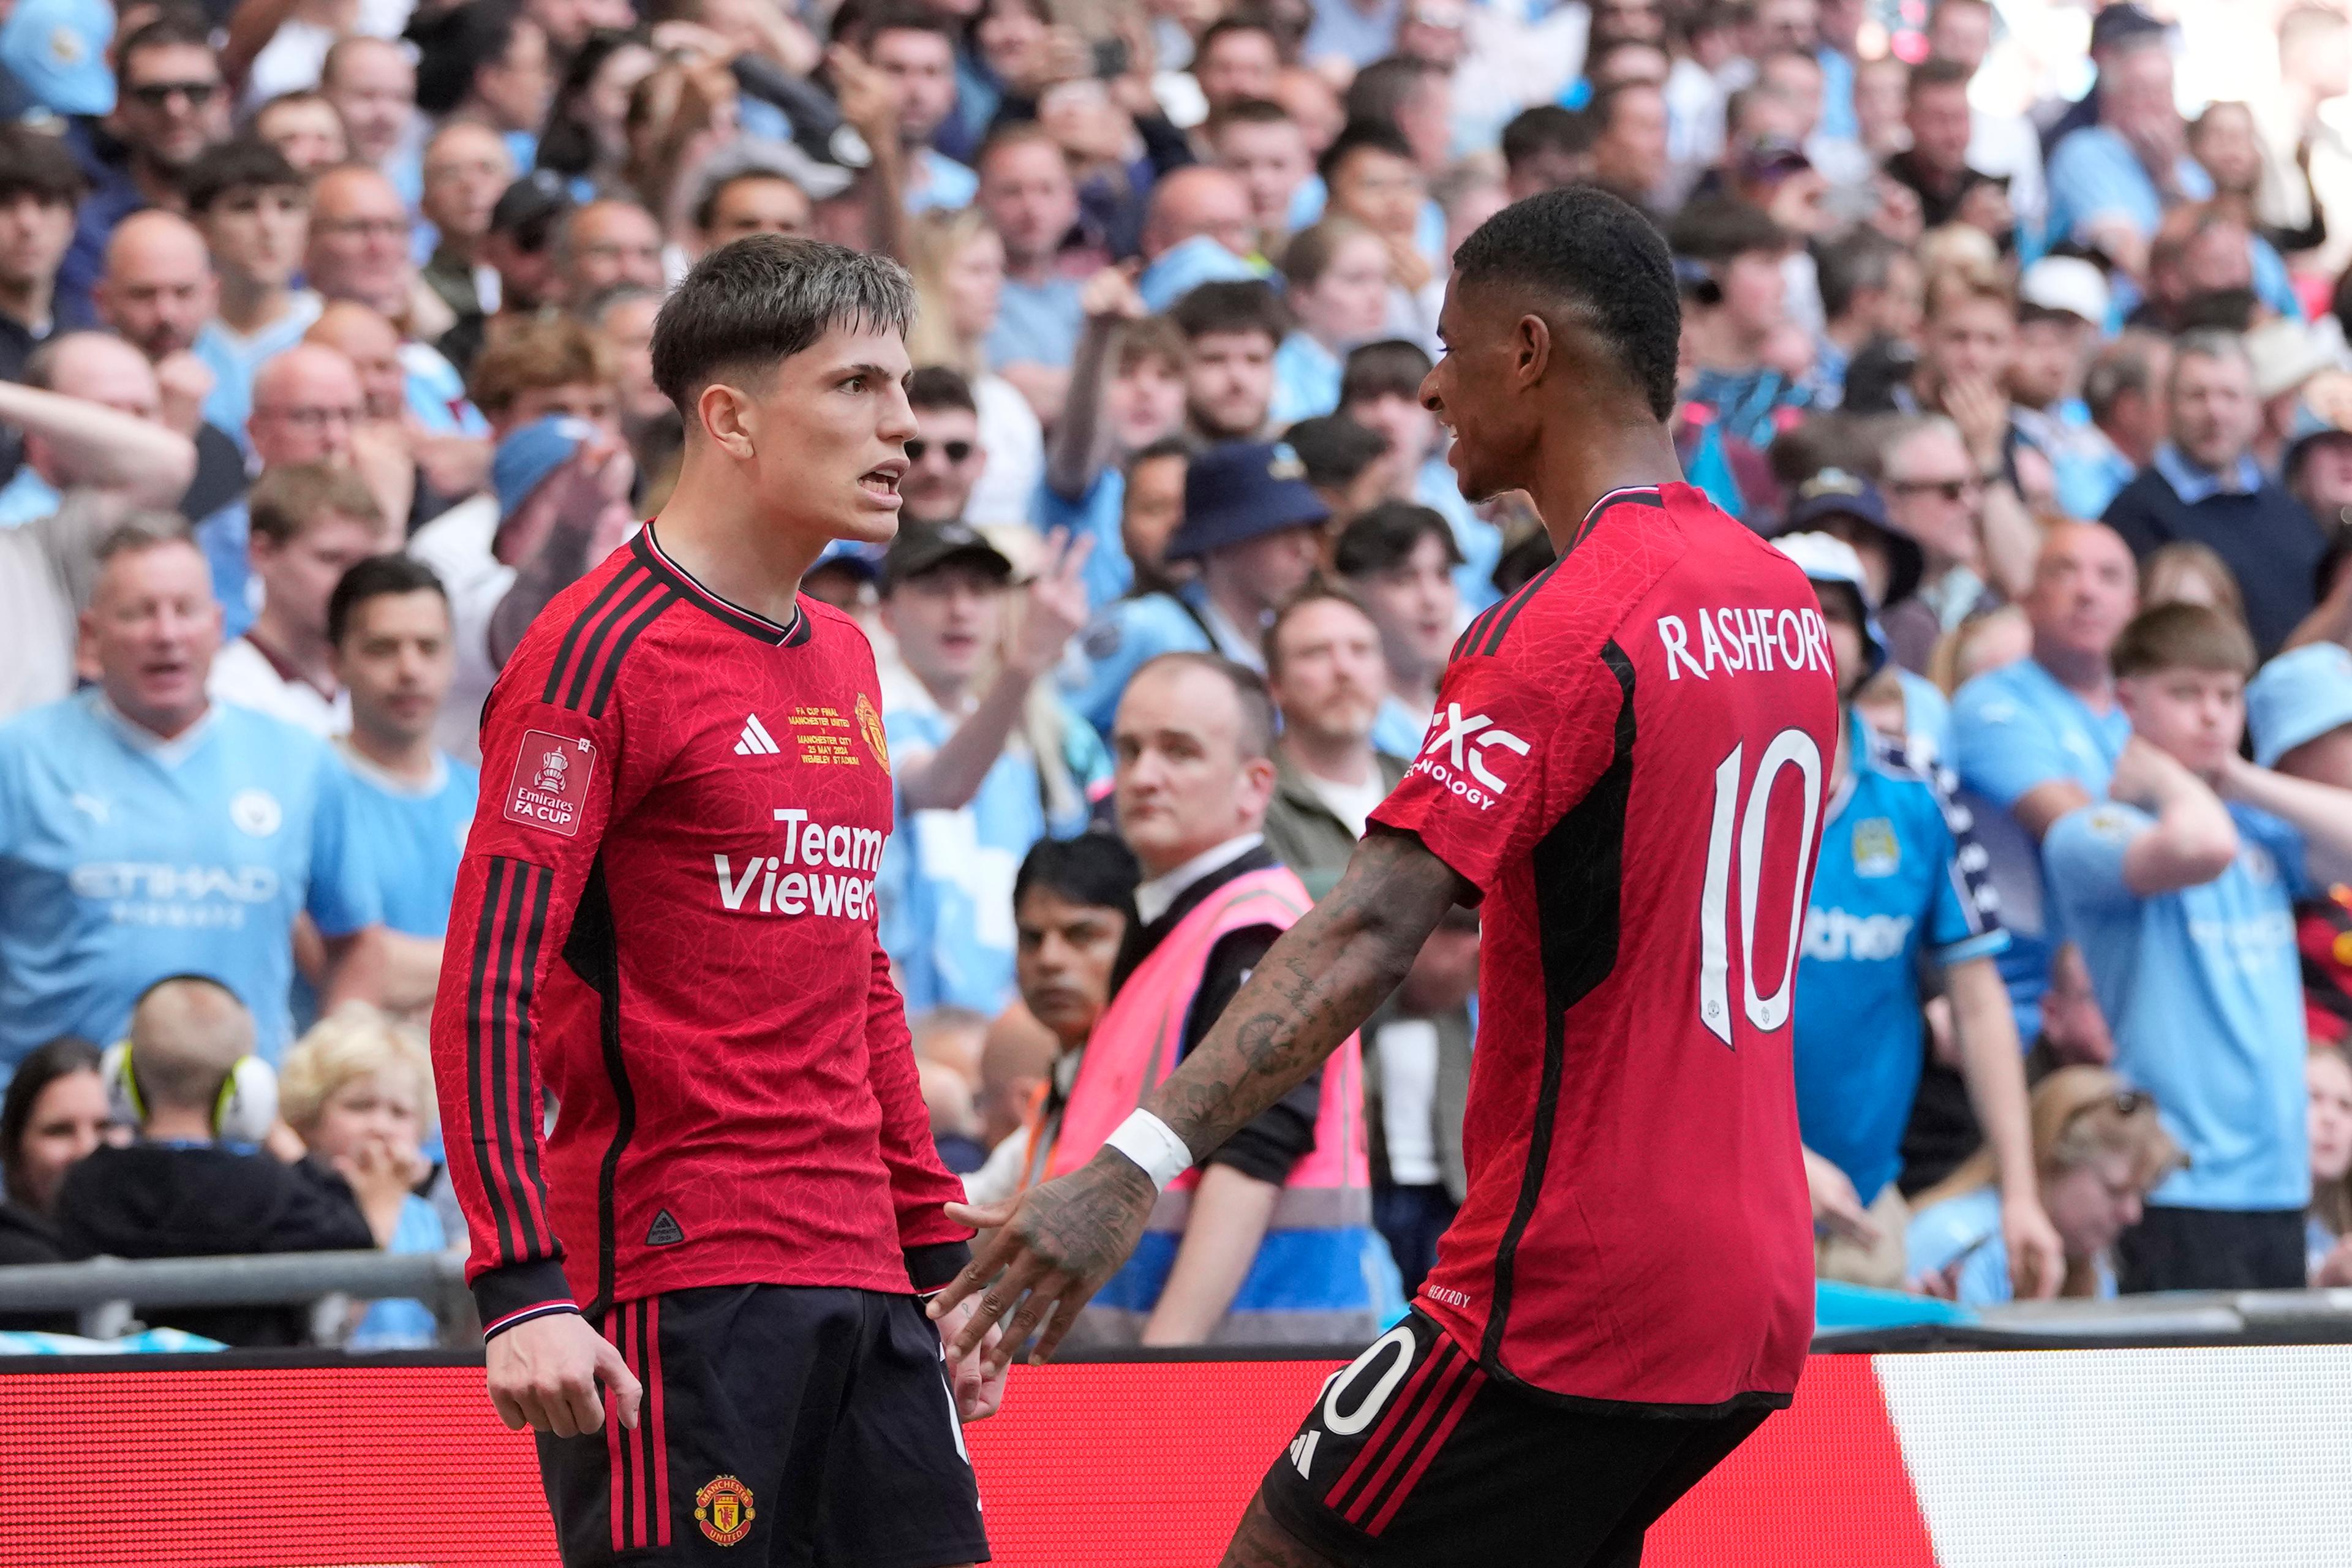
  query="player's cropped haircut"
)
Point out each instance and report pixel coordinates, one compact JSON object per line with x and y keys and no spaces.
{"x":377,"y":577}
{"x":753,"y":304}
{"x":1255,"y":739}
{"x":2183,"y":636}
{"x":290,"y":498}
{"x":1601,"y":258}
{"x":1097,"y":870}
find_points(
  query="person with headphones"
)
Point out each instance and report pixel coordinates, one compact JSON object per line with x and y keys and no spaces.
{"x":196,"y":1182}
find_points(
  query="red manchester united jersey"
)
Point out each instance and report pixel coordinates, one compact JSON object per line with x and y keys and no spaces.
{"x":664,"y":923}
{"x":1628,"y":761}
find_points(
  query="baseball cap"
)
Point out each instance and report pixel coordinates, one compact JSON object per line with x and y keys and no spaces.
{"x":529,"y":454}
{"x":1827,"y":560}
{"x":56,"y":50}
{"x":2066,"y":285}
{"x":2298,"y":697}
{"x":921,"y":548}
{"x":1834,"y":492}
{"x":1240,"y":490}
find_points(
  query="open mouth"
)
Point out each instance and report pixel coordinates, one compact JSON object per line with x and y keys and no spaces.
{"x":881,"y":481}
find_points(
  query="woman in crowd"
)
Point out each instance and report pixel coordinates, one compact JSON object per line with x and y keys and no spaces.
{"x":2100,"y":1151}
{"x":958,"y":262}
{"x":358,"y":1090}
{"x":54,"y":1113}
{"x":1338,"y":273}
{"x":2327,"y":1074}
{"x":587,"y":136}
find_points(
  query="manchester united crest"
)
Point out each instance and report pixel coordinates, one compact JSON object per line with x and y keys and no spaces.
{"x":869,"y":724}
{"x":723,"y":1508}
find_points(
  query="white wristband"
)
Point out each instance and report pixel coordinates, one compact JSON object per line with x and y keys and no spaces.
{"x":1153,"y":1144}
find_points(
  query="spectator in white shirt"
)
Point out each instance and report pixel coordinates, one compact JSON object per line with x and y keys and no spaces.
{"x":311,"y":522}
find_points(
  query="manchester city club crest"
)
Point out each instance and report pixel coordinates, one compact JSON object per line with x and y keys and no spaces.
{"x":723,"y":1508}
{"x":1877,"y":852}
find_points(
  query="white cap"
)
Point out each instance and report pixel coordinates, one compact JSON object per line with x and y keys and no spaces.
{"x":2066,"y":283}
{"x":2284,"y":355}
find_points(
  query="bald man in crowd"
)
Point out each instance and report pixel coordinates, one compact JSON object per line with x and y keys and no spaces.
{"x":1198,"y":228}
{"x":382,"y":443}
{"x":158,"y":293}
{"x":95,"y":447}
{"x":306,"y":403}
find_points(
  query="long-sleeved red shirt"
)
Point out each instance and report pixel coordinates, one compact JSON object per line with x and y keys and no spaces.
{"x":664,"y":923}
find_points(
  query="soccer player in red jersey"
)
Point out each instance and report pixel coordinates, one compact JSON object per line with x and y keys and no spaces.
{"x":664,"y":924}
{"x":1625,"y":772}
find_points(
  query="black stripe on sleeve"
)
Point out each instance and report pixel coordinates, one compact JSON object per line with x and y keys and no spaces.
{"x":478,"y":1002}
{"x":579,"y":626}
{"x":642,"y":586}
{"x":622,"y":642}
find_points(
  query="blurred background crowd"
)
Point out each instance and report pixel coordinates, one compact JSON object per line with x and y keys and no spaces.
{"x":325,"y":327}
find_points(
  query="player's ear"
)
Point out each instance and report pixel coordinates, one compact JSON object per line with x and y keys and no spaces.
{"x":727,"y":418}
{"x":1532,"y":346}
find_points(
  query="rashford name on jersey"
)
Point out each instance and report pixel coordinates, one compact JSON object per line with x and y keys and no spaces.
{"x":1628,"y":763}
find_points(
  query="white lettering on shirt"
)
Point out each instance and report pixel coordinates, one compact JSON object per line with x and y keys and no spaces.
{"x":1739,"y":640}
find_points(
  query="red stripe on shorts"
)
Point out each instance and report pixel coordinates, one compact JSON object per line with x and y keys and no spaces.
{"x":1429,"y":1452}
{"x":1368,"y":1455}
{"x":1407,"y":1439}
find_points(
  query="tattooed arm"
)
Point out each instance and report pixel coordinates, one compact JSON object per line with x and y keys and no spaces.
{"x":1056,"y":1244}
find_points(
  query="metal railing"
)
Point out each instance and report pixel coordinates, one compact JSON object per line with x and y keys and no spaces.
{"x":107,"y":1293}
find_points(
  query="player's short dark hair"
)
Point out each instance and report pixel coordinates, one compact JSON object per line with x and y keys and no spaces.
{"x":1545,"y":128}
{"x":377,"y":577}
{"x":759,"y":301}
{"x":1934,"y":73}
{"x":36,"y":164}
{"x":1256,"y":704}
{"x":1384,"y":537}
{"x":1854,"y":262}
{"x":1334,"y":448}
{"x":244,"y":164}
{"x":2183,"y":636}
{"x":936,"y":386}
{"x":1390,"y":367}
{"x":1361,"y":136}
{"x":1600,"y":255}
{"x":1236,"y":305}
{"x":177,"y":25}
{"x":1097,"y":869}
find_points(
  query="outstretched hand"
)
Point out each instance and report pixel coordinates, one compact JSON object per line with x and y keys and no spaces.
{"x":1053,"y":1248}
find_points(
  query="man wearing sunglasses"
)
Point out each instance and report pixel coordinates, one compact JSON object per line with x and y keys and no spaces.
{"x":170,"y":105}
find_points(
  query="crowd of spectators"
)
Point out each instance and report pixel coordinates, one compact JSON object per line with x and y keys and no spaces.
{"x":325,"y":365}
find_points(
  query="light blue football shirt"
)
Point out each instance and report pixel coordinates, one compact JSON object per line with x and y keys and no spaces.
{"x":946,"y":880}
{"x":1898,"y":877}
{"x":124,"y":858}
{"x":2013,"y":729}
{"x":413,"y":836}
{"x":2203,"y":992}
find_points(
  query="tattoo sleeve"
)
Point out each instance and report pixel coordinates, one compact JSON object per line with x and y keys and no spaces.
{"x":1317,"y":984}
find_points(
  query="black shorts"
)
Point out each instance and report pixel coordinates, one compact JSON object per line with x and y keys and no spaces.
{"x":781,"y":1426}
{"x":1415,"y":1456}
{"x":2212,"y":1249}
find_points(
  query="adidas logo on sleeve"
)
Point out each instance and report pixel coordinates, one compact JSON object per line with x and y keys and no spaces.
{"x":755,"y":740}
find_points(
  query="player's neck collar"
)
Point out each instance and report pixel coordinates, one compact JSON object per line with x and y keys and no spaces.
{"x":648,"y":551}
{"x":1624,"y":495}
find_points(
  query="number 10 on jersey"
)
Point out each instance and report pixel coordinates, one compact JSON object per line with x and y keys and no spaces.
{"x":1745,"y":818}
